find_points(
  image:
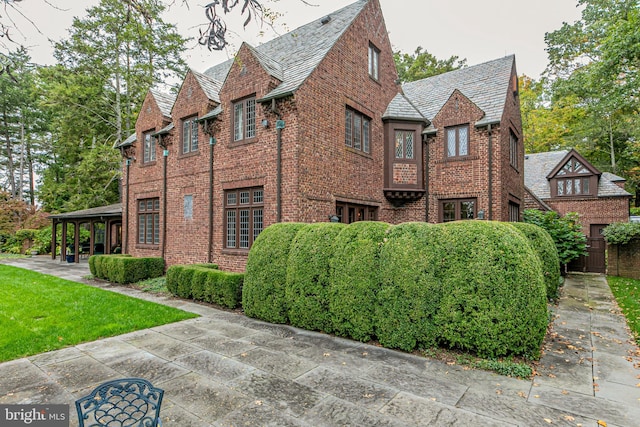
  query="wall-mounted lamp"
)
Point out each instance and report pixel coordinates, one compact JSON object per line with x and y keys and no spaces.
{"x":334,"y":218}
{"x":165,"y":153}
{"x":265,"y":123}
{"x":212,"y":141}
{"x":279,"y":124}
{"x":481,"y":215}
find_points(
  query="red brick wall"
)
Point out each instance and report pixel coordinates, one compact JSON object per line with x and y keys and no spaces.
{"x":624,"y":260}
{"x":593,"y":211}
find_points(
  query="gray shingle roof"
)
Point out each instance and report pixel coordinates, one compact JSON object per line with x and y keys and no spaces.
{"x":537,"y":166}
{"x":109,"y":210}
{"x":401,"y":108}
{"x":486,"y":85}
{"x":165,"y":101}
{"x":209,"y":85}
{"x":213,"y":113}
{"x":296,"y":54}
{"x":129,"y":141}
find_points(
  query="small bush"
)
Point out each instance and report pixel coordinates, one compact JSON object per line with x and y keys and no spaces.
{"x":308,"y":276}
{"x":410,"y":268}
{"x":355,"y":279}
{"x":543,"y":244}
{"x":124,"y":268}
{"x":493,"y":298}
{"x":263,"y":293}
{"x":621,"y":233}
{"x":205,"y":283}
{"x":565,"y":231}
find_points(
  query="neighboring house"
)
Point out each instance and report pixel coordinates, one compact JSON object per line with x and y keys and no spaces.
{"x":313,"y":125}
{"x":564,"y":181}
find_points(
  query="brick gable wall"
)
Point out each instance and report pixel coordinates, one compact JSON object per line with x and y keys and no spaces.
{"x":591,"y":210}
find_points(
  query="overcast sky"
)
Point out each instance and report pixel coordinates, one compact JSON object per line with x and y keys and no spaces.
{"x":476,"y":30}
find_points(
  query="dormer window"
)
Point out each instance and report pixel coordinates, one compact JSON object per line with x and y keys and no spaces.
{"x":149,"y":148}
{"x":573,"y":179}
{"x":190,"y":135}
{"x":244,"y":119}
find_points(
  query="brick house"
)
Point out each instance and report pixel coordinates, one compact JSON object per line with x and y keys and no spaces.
{"x":564,"y":181}
{"x":313,"y":125}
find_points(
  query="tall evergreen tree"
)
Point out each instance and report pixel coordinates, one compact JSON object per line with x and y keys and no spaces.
{"x":106,"y":66}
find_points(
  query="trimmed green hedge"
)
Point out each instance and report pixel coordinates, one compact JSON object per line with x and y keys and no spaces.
{"x":308,"y":276}
{"x":263,"y":294}
{"x":493,"y":298}
{"x":355,"y":279}
{"x":409,"y":298}
{"x":203,"y":282}
{"x":543,"y":244}
{"x":124,"y":268}
{"x":472,"y":285}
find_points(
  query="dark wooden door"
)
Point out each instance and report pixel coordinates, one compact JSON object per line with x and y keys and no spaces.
{"x":596,"y":247}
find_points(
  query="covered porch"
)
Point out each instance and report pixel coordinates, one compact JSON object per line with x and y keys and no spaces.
{"x":95,"y":231}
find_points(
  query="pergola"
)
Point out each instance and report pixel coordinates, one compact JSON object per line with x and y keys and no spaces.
{"x":101,"y":240}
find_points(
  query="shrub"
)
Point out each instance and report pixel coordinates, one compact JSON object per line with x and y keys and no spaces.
{"x":621,"y":233}
{"x":205,"y":283}
{"x":542,"y":243}
{"x":493,"y":298}
{"x":124,"y":268}
{"x":308,"y":276}
{"x":565,"y":231}
{"x":409,"y":296}
{"x":263,"y":293}
{"x":355,"y":279}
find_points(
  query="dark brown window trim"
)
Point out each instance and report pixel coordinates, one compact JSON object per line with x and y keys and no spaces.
{"x":189,"y":119}
{"x":446,"y":141}
{"x":245,"y":139}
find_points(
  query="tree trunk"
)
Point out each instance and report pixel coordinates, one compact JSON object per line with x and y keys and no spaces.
{"x":9,"y":153}
{"x":32,"y":190}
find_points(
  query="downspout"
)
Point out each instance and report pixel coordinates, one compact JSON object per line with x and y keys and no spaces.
{"x":279,"y":127}
{"x":212,"y":142}
{"x":165,"y":155}
{"x":426,"y":179}
{"x":126,"y":218}
{"x":490,"y":209}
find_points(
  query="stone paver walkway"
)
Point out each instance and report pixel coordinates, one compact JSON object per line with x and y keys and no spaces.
{"x":224,"y":369}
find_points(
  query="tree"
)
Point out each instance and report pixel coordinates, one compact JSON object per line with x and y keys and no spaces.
{"x":594,"y":62}
{"x":421,"y":64}
{"x":106,"y":66}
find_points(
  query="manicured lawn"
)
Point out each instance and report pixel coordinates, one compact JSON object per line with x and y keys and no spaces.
{"x":627,"y":293}
{"x":40,"y":313}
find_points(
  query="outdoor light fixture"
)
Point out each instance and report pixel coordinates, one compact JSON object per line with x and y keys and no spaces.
{"x":265,"y":123}
{"x":334,"y":218}
{"x":481,"y":215}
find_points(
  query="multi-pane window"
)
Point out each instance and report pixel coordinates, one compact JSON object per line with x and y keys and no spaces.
{"x":514,"y":212}
{"x":349,"y":212}
{"x":244,"y":217}
{"x":149,"y":148}
{"x":405,"y":145}
{"x":574,"y":179}
{"x":513,"y":149}
{"x":573,"y":186}
{"x":244,"y":119}
{"x":457,"y":141}
{"x":357,"y":131}
{"x":149,"y":221}
{"x":190,"y":135}
{"x":374,"y":59}
{"x":455,"y":210}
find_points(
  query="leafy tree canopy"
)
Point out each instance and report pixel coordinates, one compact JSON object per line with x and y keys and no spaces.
{"x":421,"y":64}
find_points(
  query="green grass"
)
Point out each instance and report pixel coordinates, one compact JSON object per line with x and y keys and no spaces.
{"x":155,"y":285}
{"x":627,"y":293}
{"x":12,"y":256}
{"x":41,"y":313}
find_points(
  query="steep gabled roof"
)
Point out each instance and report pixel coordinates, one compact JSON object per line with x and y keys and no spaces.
{"x":539,"y":165}
{"x":165,"y":101}
{"x":401,"y":108}
{"x":486,"y":85}
{"x":296,"y":54}
{"x":209,"y":85}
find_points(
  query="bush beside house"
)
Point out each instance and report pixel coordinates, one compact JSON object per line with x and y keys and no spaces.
{"x":472,"y":285}
{"x":543,"y":244}
{"x":124,"y":268}
{"x":204,"y":282}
